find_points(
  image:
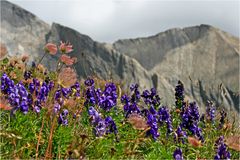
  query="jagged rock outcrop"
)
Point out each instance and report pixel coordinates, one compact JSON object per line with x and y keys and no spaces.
{"x":21,"y":31}
{"x":205,"y":58}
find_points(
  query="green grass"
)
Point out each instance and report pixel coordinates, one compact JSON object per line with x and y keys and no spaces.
{"x":22,"y":136}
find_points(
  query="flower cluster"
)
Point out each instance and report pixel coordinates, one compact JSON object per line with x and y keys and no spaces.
{"x":62,"y":119}
{"x":165,"y":117}
{"x":177,"y":155}
{"x":104,"y":99}
{"x":27,"y":75}
{"x":190,"y":119}
{"x":135,"y":93}
{"x":17,"y":94}
{"x":210,"y":111}
{"x":179,"y":95}
{"x":152,"y":122}
{"x":64,"y":48}
{"x":108,"y":97}
{"x":222,"y":119}
{"x":222,"y":152}
{"x":180,"y":135}
{"x":41,"y":92}
{"x":130,"y":103}
{"x":101,"y":126}
{"x":151,"y":98}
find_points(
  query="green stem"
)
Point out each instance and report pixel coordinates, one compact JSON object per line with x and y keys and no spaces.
{"x":42,"y":58}
{"x":57,"y":64}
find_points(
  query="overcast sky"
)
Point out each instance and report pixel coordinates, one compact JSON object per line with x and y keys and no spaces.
{"x":110,"y":20}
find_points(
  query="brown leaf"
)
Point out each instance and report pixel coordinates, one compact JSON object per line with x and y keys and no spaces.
{"x":138,"y":122}
{"x":4,"y":104}
{"x":194,"y":142}
{"x":178,"y":110}
{"x":233,"y":142}
{"x":70,"y":102}
{"x":227,"y":126}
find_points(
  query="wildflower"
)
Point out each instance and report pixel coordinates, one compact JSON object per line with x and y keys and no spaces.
{"x":17,"y":94}
{"x":222,"y":119}
{"x":76,"y":86}
{"x":190,"y":119}
{"x":180,"y":135}
{"x":152,"y":122}
{"x":136,"y":93}
{"x":62,"y":119}
{"x":51,"y":48}
{"x":177,"y":155}
{"x":108,"y":98}
{"x":137,"y":121}
{"x":222,"y":152}
{"x":66,"y":92}
{"x":67,"y":60}
{"x":67,"y":76}
{"x":65,"y":48}
{"x":110,"y":125}
{"x":151,"y":98}
{"x":27,"y":75}
{"x":179,"y":95}
{"x":164,"y":116}
{"x":210,"y":111}
{"x":56,"y":107}
{"x":89,"y":82}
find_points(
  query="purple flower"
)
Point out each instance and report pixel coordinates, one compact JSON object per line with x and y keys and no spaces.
{"x":180,"y":135}
{"x":76,"y":86}
{"x":89,"y":82}
{"x":136,"y":93}
{"x":222,"y":152}
{"x":57,"y":95}
{"x":62,"y":119}
{"x":100,"y":128}
{"x":222,"y":119}
{"x":165,"y":117}
{"x":179,"y":95}
{"x":108,"y":98}
{"x":94,"y":115}
{"x":66,"y":92}
{"x":152,"y":122}
{"x":56,"y":107}
{"x":36,"y":109}
{"x":92,"y":96}
{"x":151,"y":98}
{"x":6,"y":84}
{"x":27,"y":75}
{"x":190,"y":119}
{"x":177,"y":155}
{"x":111,"y":126}
{"x":98,"y":123}
{"x":210,"y":111}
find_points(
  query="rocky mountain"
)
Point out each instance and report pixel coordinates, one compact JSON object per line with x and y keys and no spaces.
{"x":205,"y":58}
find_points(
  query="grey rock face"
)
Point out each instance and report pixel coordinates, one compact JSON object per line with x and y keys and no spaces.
{"x":205,"y":58}
{"x":21,"y":31}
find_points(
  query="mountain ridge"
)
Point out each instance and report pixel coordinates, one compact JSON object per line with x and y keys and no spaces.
{"x":203,"y":57}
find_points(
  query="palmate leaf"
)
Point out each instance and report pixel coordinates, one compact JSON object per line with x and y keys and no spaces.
{"x":233,"y":142}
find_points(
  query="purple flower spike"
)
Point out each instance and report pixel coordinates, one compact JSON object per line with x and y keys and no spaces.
{"x":177,"y":155}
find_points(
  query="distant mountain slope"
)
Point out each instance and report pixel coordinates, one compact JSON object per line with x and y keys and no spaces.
{"x":201,"y":53}
{"x":205,"y":58}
